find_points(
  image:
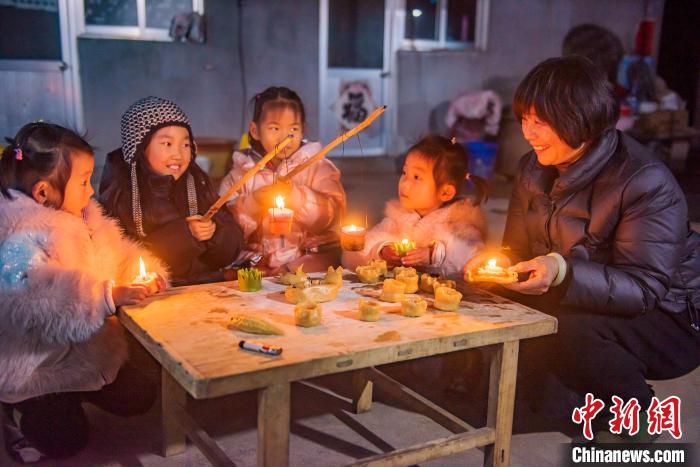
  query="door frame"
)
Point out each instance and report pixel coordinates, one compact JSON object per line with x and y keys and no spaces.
{"x":67,"y":65}
{"x":389,"y":71}
{"x":67,"y":14}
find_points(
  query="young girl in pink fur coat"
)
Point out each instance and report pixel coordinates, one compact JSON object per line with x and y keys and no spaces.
{"x":447,"y":229}
{"x":64,"y":270}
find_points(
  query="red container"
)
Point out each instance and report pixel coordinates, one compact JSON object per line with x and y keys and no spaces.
{"x":644,"y":40}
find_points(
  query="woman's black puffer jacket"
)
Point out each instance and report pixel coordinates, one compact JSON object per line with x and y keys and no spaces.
{"x":619,"y":218}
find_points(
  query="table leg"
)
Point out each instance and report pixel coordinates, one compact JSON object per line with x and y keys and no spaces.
{"x":504,"y":369}
{"x":273,"y":425}
{"x":362,"y":391}
{"x":173,"y":395}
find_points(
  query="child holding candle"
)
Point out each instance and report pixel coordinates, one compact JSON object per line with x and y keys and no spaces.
{"x":158,"y":194}
{"x":312,"y":201}
{"x":431,"y":226}
{"x":64,"y":269}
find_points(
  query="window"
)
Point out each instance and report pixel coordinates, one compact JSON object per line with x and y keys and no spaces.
{"x":355,"y":34}
{"x":133,"y":19}
{"x":444,"y":24}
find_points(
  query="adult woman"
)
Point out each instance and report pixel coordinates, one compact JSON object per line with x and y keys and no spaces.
{"x":602,"y":228}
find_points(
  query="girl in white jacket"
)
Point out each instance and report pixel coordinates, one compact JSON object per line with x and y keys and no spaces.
{"x":315,"y":195}
{"x":447,"y":229}
{"x":64,"y":270}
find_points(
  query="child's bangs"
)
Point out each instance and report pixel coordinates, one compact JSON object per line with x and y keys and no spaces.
{"x":280,"y":105}
{"x":423,"y":153}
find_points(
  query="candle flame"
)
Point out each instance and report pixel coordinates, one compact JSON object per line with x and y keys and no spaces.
{"x":279,"y":201}
{"x":352,"y":228}
{"x":491,"y":263}
{"x":142,"y":267}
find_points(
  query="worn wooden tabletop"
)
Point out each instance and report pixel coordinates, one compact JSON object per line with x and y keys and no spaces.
{"x":186,"y":330}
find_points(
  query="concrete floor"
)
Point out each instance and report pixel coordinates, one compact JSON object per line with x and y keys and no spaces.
{"x":324,"y":432}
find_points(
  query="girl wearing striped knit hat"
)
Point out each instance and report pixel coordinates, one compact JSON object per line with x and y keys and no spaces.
{"x":158,"y":194}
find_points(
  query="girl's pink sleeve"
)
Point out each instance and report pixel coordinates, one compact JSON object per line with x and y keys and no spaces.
{"x":320,"y":202}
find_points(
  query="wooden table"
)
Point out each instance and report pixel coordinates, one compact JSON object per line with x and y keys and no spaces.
{"x":185,"y":329}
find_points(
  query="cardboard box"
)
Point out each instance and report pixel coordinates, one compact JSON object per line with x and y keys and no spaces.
{"x":662,"y":122}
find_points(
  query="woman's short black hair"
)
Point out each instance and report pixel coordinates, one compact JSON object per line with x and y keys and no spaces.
{"x":570,"y":94}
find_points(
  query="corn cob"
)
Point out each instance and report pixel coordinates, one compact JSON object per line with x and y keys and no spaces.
{"x":254,"y":325}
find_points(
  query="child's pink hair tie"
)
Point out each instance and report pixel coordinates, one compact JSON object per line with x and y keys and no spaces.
{"x":18,"y":154}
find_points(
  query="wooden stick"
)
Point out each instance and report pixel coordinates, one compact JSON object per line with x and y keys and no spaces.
{"x":416,"y":402}
{"x":241,"y":181}
{"x":328,"y":148}
{"x":201,"y":438}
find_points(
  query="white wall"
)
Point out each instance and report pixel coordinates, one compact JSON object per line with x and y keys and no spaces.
{"x":280,"y":41}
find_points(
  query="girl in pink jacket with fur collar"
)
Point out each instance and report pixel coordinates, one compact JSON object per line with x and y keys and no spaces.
{"x":447,"y":229}
{"x":64,"y":269}
{"x":316,"y":194}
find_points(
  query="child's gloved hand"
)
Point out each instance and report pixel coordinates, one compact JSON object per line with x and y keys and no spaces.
{"x":417,"y":257}
{"x":128,"y":294}
{"x":265,"y":196}
{"x":199,"y":229}
{"x":389,"y":254}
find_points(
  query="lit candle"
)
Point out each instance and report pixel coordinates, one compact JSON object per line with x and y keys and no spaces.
{"x":352,"y":238}
{"x":491,"y":272}
{"x":404,"y":246}
{"x":280,"y":218}
{"x":147,"y":279}
{"x":492,"y":268}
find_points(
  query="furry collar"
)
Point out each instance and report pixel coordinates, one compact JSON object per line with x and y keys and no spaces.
{"x":460,"y":217}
